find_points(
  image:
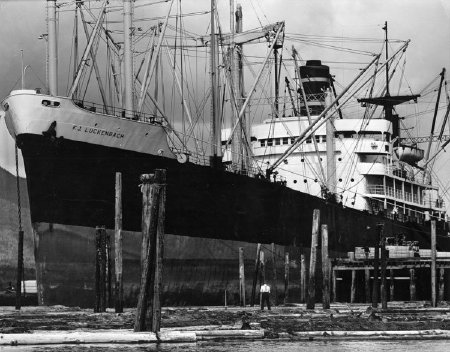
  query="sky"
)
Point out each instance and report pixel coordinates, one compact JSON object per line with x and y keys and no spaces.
{"x":425,"y":22}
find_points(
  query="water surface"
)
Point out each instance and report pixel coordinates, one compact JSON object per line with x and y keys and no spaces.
{"x":255,"y":346}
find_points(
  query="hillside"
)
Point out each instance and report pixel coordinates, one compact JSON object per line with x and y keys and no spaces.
{"x":9,"y":227}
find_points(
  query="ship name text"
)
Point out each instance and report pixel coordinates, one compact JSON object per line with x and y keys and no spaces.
{"x":98,"y":131}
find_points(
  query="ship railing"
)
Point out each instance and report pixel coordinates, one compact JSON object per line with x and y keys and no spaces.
{"x":252,"y":171}
{"x":404,"y":218}
{"x":313,"y":97}
{"x":407,"y":172}
{"x":407,"y":196}
{"x":118,"y":112}
{"x":434,"y":203}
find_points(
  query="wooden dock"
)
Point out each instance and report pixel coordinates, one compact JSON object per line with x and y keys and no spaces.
{"x":433,"y":265}
{"x":340,"y":264}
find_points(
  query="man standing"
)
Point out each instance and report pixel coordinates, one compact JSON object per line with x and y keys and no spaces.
{"x":265,"y":295}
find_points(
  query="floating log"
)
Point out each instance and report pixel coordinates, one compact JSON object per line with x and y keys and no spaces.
{"x":98,"y":337}
{"x":375,"y":335}
{"x":231,"y":334}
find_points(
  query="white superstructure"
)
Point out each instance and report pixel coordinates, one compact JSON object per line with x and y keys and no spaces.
{"x":368,"y":174}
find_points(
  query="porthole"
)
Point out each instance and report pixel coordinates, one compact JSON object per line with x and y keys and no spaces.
{"x":49,"y":103}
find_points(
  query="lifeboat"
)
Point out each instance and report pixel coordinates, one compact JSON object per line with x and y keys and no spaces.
{"x":409,"y":154}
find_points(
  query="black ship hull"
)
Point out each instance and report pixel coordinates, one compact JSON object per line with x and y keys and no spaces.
{"x":72,"y":183}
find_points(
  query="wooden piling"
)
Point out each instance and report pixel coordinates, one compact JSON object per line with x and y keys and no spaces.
{"x":97,"y":272}
{"x":118,"y":261}
{"x":155,"y":311}
{"x":153,"y":216}
{"x":376,"y":264}
{"x":286,"y":277}
{"x":302,"y":278}
{"x":334,"y":284}
{"x":108,"y":271}
{"x":353,"y":287}
{"x":383,"y":274}
{"x":255,"y":275}
{"x":433,"y":263}
{"x":39,"y":266}
{"x":441,"y":284}
{"x":262,"y":268}
{"x":412,"y":284}
{"x":274,"y":270}
{"x":19,"y":277}
{"x":225,"y":299}
{"x":241,"y":278}
{"x":149,"y":213}
{"x":367,"y":284}
{"x":312,"y":266}
{"x":325,"y":269}
{"x":100,"y":270}
{"x":391,"y":287}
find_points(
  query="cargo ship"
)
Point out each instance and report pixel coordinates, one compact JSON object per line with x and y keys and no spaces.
{"x":249,"y":183}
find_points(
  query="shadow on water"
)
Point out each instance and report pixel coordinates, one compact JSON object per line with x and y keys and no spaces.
{"x":255,"y":346}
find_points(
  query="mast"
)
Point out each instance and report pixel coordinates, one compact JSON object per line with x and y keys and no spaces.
{"x":277,"y":75}
{"x":239,"y":156}
{"x":235,"y":149}
{"x":52,"y":48}
{"x":75,"y":41}
{"x":387,"y":57}
{"x":436,"y":108}
{"x":331,"y":147}
{"x":216,"y":150}
{"x":87,"y":51}
{"x":128,"y":58}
